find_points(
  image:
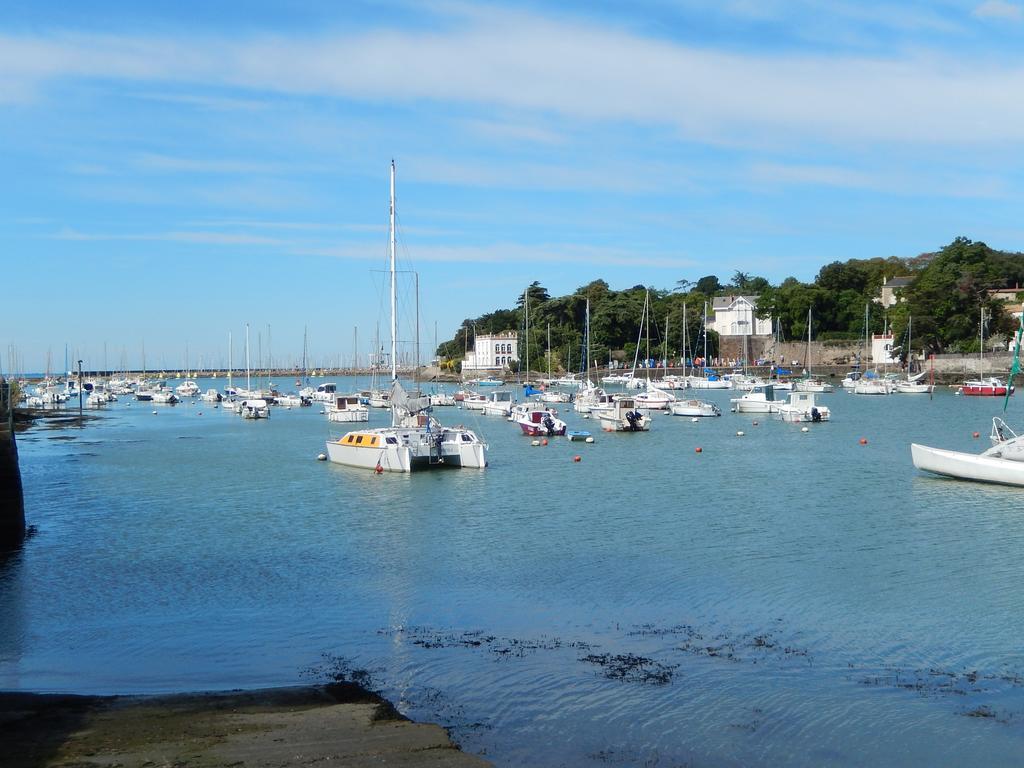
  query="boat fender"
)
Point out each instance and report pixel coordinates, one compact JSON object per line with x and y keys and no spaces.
{"x":378,"y":469}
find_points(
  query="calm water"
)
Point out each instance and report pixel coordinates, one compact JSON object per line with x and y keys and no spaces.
{"x":781,"y":597}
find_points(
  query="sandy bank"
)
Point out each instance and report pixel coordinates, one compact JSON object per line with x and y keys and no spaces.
{"x":336,"y":724}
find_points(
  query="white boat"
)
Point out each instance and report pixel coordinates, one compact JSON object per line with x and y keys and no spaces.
{"x":554,"y":396}
{"x":758,"y":400}
{"x":325,"y":393}
{"x":443,"y":399}
{"x":292,"y":401}
{"x":592,"y":398}
{"x":473,"y":401}
{"x":623,"y":416}
{"x":802,"y":406}
{"x":253,"y":408}
{"x":811,"y":384}
{"x":415,"y":440}
{"x":211,"y":396}
{"x":617,"y":378}
{"x":348,"y":408}
{"x":164,"y":397}
{"x":654,"y":399}
{"x":694,"y":408}
{"x":1002,"y":463}
{"x":188,"y":388}
{"x":499,"y":404}
{"x":872,"y":385}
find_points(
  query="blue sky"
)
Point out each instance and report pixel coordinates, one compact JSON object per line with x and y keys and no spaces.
{"x":175,"y":170}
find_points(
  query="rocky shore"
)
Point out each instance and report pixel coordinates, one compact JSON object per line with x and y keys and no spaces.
{"x":335,"y":724}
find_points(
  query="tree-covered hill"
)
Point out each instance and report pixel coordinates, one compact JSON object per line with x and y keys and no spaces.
{"x":948,"y":289}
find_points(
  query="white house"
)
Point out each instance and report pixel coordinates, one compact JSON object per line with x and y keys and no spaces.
{"x":737,"y":316}
{"x":881,"y":349}
{"x":492,"y":351}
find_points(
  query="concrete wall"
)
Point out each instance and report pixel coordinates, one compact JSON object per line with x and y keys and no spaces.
{"x":12,"y":503}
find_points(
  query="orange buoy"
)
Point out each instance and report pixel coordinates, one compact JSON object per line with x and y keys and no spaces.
{"x":863,"y":441}
{"x":378,"y":469}
{"x":544,"y":441}
{"x":976,"y":435}
{"x":698,"y":449}
{"x":577,"y":458}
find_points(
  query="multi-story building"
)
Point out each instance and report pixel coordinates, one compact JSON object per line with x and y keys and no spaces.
{"x":737,"y":316}
{"x":492,"y":352}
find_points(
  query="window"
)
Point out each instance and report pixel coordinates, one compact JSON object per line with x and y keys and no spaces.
{"x":391,"y":440}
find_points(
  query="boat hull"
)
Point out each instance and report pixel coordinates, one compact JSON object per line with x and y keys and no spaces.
{"x":967,"y":466}
{"x":413,"y":450}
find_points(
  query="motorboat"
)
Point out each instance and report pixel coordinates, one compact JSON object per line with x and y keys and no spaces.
{"x":760,"y":399}
{"x":324,"y":393}
{"x":253,"y":408}
{"x":474,"y":401}
{"x":1002,"y":463}
{"x":348,"y":408}
{"x":292,"y":400}
{"x":802,"y":407}
{"x":541,"y":423}
{"x":165,"y":397}
{"x":694,"y":408}
{"x":988,"y":387}
{"x":441,"y":399}
{"x":624,"y":416}
{"x":499,"y":403}
{"x":211,"y":396}
{"x":188,"y":388}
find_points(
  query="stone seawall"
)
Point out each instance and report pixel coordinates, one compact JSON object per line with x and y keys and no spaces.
{"x":12,"y":502}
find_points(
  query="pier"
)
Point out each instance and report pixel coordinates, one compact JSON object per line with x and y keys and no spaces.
{"x":12,"y":502}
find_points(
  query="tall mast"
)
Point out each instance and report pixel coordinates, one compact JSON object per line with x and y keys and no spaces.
{"x":586,"y":365}
{"x":684,"y":339}
{"x":230,"y":365}
{"x":526,"y":305}
{"x":248,"y":378}
{"x":394,"y":318}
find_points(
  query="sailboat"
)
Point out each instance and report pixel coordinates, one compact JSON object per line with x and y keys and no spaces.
{"x":811,"y":383}
{"x":869,"y":383}
{"x":709,"y":379}
{"x":984,"y":387}
{"x":912,"y":385}
{"x":415,"y":440}
{"x":651,"y":398}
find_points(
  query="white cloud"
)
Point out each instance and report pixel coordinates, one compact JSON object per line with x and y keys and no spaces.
{"x":999,"y":9}
{"x":529,"y":64}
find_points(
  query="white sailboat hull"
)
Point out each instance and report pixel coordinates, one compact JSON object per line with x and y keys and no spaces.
{"x":967,"y":466}
{"x":412,"y":449}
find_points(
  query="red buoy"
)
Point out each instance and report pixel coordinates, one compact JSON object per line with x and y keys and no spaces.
{"x":544,"y":441}
{"x":863,"y":441}
{"x":378,"y":469}
{"x":577,"y":458}
{"x":976,"y":435}
{"x":698,"y":449}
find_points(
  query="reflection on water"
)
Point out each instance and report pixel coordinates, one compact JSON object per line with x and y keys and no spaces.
{"x":780,"y":597}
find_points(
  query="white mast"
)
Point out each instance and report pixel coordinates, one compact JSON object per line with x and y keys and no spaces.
{"x":684,"y":340}
{"x":526,"y":309}
{"x":248,"y":383}
{"x":394,"y":318}
{"x":229,"y":360}
{"x":587,"y":365}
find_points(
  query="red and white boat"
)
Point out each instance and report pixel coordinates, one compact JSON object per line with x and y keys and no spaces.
{"x":541,"y":424}
{"x":990,"y":387}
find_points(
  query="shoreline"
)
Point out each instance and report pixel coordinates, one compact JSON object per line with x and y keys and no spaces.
{"x":340,"y":722}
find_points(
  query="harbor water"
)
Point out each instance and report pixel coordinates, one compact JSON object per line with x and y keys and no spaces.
{"x":780,"y":597}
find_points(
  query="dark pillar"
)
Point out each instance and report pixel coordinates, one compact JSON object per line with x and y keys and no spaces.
{"x":12,"y":502}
